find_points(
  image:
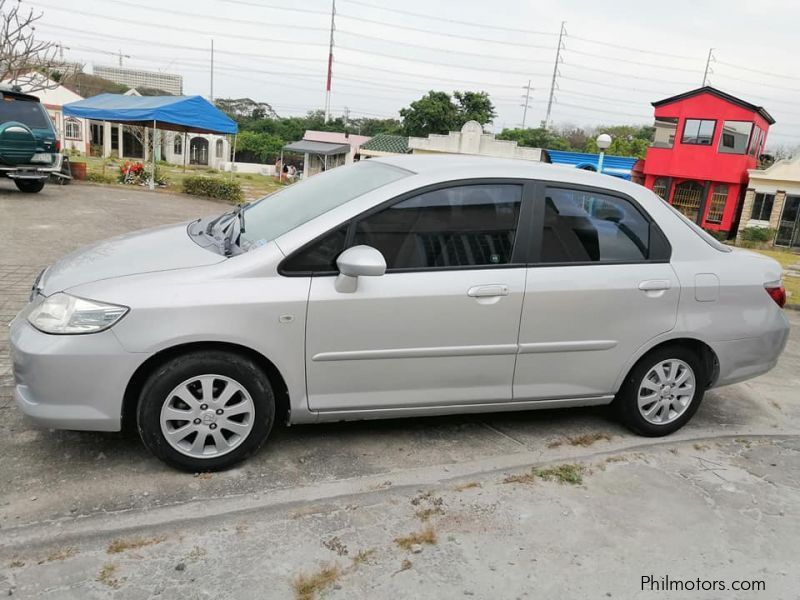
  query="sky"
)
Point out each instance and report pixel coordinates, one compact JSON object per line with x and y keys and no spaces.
{"x":617,"y":57}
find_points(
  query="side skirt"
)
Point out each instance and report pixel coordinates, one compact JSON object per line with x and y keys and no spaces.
{"x":453,"y":409}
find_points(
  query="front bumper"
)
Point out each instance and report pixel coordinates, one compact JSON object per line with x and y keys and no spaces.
{"x":70,"y":381}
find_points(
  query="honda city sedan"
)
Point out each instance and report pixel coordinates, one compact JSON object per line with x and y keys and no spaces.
{"x":396,"y":287}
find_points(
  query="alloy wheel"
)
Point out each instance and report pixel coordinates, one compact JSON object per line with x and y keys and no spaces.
{"x":666,"y":391}
{"x":207,"y":416}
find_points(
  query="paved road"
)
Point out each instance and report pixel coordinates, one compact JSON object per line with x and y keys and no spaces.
{"x":718,"y":500}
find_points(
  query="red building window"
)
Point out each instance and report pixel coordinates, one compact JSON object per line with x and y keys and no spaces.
{"x":687,"y":198}
{"x":661,"y":187}
{"x":716,"y":207}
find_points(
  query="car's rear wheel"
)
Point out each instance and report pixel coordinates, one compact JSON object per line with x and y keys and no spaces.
{"x":29,"y":186}
{"x":662,"y":392}
{"x":205,"y":411}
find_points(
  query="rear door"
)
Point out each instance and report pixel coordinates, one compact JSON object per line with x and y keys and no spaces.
{"x":599,"y":287}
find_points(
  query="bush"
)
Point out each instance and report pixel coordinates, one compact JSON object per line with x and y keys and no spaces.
{"x":214,"y":187}
{"x":758,"y":234}
{"x":100,"y":177}
{"x":720,"y":236}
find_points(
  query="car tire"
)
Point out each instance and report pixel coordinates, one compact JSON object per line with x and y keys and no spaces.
{"x":28,"y":186}
{"x":656,"y":400}
{"x":216,"y":407}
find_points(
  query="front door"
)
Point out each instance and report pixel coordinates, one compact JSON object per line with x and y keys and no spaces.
{"x":600,"y":289}
{"x":440,"y":327}
{"x":789,"y":225}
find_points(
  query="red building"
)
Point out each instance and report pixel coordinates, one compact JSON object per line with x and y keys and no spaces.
{"x":705,"y":140}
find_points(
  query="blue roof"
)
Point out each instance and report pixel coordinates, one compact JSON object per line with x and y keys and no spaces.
{"x":181,"y":113}
{"x":618,"y":166}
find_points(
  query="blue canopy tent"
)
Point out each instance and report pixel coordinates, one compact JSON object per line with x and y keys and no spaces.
{"x":192,"y":114}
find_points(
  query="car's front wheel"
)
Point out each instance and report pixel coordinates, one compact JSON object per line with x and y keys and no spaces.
{"x":29,"y":186}
{"x":205,"y":411}
{"x":662,"y":392}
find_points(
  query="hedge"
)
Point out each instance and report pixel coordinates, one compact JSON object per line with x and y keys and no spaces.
{"x":758,"y":234}
{"x":214,"y":187}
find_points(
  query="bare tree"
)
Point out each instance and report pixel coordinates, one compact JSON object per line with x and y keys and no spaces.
{"x":26,"y":61}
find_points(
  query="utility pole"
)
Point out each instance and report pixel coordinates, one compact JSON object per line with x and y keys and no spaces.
{"x":560,"y":47}
{"x":211,"y":92}
{"x":330,"y":63}
{"x":346,"y":118}
{"x":121,"y":56}
{"x":527,"y":99}
{"x":708,"y":70}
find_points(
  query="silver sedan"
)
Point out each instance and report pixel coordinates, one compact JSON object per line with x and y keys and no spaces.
{"x":396,"y":287}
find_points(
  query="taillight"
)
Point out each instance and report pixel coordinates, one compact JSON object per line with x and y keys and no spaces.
{"x":777,"y":292}
{"x":58,"y":145}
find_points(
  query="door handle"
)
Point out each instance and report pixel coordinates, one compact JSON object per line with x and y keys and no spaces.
{"x":487,"y":291}
{"x":655,"y":285}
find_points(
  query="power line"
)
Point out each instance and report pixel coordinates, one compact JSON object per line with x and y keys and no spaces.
{"x":217,"y":18}
{"x":626,"y":75}
{"x":442,"y":33}
{"x":437,"y":63}
{"x":237,"y":36}
{"x":446,"y":50}
{"x":632,"y":62}
{"x":116,"y":38}
{"x":276,"y":7}
{"x":759,"y":71}
{"x":448,"y":20}
{"x":436,"y":78}
{"x":759,"y":83}
{"x":630,"y":48}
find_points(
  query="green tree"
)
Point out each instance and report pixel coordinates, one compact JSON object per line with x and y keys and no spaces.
{"x":258,"y":147}
{"x":433,"y":113}
{"x":437,"y":112}
{"x":475,"y":106}
{"x":538,"y":137}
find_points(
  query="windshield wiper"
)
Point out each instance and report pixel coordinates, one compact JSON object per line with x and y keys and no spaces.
{"x":213,"y":223}
{"x":238,"y":216}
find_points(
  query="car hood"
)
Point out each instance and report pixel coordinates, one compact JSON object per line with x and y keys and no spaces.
{"x":160,"y":249}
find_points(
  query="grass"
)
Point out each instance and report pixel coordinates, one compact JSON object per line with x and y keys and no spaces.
{"x":308,"y":586}
{"x":107,"y":576}
{"x":567,"y":473}
{"x":425,"y":514}
{"x":254,"y":186}
{"x":467,"y":486}
{"x":122,"y":545}
{"x":363,"y":557}
{"x":426,"y":535}
{"x":584,"y":440}
{"x":60,"y":554}
{"x":786,"y":259}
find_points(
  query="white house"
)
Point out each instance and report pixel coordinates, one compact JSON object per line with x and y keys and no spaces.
{"x":472,"y":140}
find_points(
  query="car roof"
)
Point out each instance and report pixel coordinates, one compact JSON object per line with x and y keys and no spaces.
{"x":6,"y":90}
{"x":460,"y":166}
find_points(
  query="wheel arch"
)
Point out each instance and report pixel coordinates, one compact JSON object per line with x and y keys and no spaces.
{"x":130,"y":398}
{"x":701,"y":348}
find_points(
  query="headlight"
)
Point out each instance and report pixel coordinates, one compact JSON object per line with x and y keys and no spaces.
{"x":65,"y":314}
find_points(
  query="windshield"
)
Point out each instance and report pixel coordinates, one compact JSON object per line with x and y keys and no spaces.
{"x":278,"y":213}
{"x":707,"y":237}
{"x":25,"y":111}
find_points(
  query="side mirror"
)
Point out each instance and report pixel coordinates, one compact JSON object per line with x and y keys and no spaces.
{"x":356,"y":262}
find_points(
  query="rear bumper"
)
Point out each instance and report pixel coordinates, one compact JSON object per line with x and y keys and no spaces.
{"x":750,"y":357}
{"x":70,"y":381}
{"x":33,"y":171}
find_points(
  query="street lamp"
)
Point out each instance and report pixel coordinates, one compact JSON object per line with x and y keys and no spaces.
{"x":603,"y":142}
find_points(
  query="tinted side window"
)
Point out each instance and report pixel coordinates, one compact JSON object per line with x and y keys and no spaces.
{"x":469,"y":225}
{"x":583,"y":226}
{"x":320,"y":256}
